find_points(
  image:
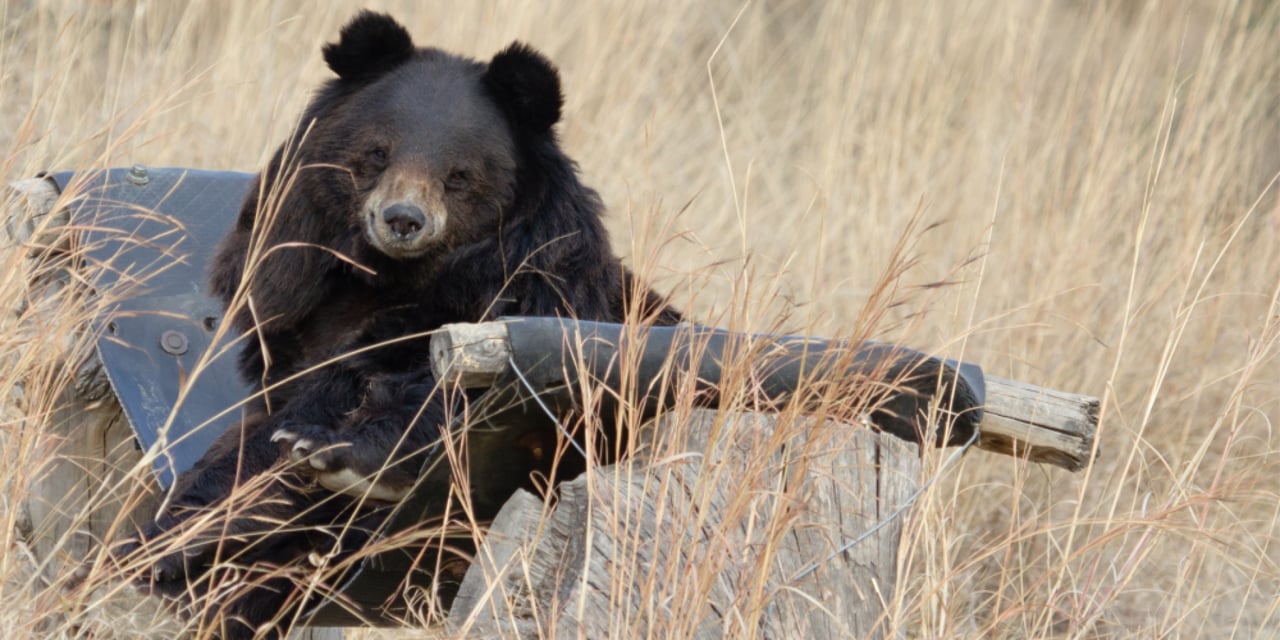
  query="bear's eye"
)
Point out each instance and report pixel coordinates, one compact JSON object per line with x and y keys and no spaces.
{"x":378,"y":157}
{"x":457,"y":180}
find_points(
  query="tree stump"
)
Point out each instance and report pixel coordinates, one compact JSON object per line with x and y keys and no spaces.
{"x":67,"y":509}
{"x":730,"y":529}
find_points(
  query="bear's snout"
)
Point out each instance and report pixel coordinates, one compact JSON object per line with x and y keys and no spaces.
{"x":402,"y":229}
{"x":404,"y":220}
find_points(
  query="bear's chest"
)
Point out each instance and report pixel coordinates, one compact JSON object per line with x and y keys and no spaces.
{"x":361,"y":317}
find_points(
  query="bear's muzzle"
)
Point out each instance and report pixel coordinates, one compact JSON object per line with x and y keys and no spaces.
{"x":402,"y":229}
{"x":404,"y":220}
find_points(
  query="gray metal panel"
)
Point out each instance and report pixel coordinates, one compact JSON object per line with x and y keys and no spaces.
{"x":149,"y":235}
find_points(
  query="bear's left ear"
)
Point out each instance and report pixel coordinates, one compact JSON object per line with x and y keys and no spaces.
{"x":527,"y":85}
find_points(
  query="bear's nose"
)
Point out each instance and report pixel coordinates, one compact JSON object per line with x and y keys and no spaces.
{"x":404,"y":220}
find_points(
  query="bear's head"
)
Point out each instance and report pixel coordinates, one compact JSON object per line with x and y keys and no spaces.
{"x":430,"y":140}
{"x":410,"y":167}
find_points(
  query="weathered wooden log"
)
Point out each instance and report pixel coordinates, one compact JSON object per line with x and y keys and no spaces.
{"x":63,"y":515}
{"x":1039,"y":424}
{"x":35,"y":223}
{"x":756,"y":534}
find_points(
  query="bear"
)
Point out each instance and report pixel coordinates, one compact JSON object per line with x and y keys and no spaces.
{"x":418,"y":188}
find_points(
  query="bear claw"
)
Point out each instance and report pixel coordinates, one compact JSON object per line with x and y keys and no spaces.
{"x":170,"y":568}
{"x":303,"y":449}
{"x":284,"y":435}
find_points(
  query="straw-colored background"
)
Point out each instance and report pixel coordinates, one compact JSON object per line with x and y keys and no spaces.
{"x":1102,"y":172}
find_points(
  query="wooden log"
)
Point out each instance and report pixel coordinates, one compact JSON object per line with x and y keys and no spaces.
{"x":757,"y":533}
{"x":35,"y":222}
{"x":1039,"y":424}
{"x":66,"y":511}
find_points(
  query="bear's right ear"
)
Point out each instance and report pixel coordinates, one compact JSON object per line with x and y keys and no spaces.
{"x":370,"y":45}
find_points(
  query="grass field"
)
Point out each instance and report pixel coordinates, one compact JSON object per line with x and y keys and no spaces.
{"x":1102,"y":177}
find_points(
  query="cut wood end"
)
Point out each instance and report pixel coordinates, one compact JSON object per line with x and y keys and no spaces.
{"x":1039,"y":424}
{"x":470,"y":355}
{"x":1072,"y":459}
{"x":36,"y":221}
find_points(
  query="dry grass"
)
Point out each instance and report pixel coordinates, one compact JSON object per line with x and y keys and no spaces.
{"x":1111,"y":166}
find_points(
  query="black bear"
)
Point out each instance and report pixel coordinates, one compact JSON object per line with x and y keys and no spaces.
{"x":419,"y":188}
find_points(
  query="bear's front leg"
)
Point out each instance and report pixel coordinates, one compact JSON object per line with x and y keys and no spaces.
{"x":189,"y":528}
{"x":185,"y":542}
{"x":379,"y":449}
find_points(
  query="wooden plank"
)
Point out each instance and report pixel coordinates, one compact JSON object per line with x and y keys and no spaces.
{"x":746,"y":537}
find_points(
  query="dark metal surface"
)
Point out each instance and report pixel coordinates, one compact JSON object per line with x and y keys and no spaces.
{"x":552,"y":352}
{"x":149,"y":234}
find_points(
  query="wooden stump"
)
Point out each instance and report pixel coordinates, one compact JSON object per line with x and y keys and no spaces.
{"x":735,"y":529}
{"x":67,"y":509}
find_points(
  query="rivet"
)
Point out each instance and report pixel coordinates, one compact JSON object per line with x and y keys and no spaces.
{"x":174,"y":343}
{"x":138,"y":175}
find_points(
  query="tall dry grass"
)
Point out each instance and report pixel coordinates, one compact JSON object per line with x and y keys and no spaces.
{"x":1104,"y":173}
